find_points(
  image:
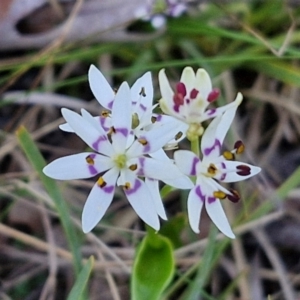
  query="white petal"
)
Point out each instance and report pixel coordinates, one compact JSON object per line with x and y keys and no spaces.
{"x":153,"y":188}
{"x":158,"y":21}
{"x":214,"y":112}
{"x":160,"y":154}
{"x":104,"y":122}
{"x":203,"y":83}
{"x":95,"y":122}
{"x":165,"y":89}
{"x":188,"y":78}
{"x":182,"y":182}
{"x":121,"y":117}
{"x":194,"y":206}
{"x":216,"y":186}
{"x":163,"y":170}
{"x":96,"y":139}
{"x":76,"y":166}
{"x":154,"y":139}
{"x":215,"y":133}
{"x":210,"y":144}
{"x":187,"y":162}
{"x":167,"y":107}
{"x":230,"y":171}
{"x":100,"y":88}
{"x":217,"y":215}
{"x":98,"y":201}
{"x":143,"y":84}
{"x":181,"y":127}
{"x":139,"y":198}
{"x":65,"y":127}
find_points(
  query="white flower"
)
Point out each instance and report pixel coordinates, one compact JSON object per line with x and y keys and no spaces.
{"x":141,"y":94}
{"x":120,"y":164}
{"x":157,"y":11}
{"x":189,"y":102}
{"x":210,"y":170}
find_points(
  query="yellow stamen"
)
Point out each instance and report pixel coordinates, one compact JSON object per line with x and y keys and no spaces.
{"x":127,"y":186}
{"x":212,"y":169}
{"x":240,"y":147}
{"x":220,"y":195}
{"x":89,"y":160}
{"x":105,"y":113}
{"x":133,"y":167}
{"x":143,"y":142}
{"x":228,"y":155}
{"x":101,"y":182}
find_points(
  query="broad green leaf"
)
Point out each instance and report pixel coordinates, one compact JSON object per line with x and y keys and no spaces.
{"x":37,"y":161}
{"x":173,"y":228}
{"x":81,"y":281}
{"x":153,"y":267}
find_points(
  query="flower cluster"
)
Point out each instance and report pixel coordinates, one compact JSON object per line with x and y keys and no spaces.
{"x":156,"y":11}
{"x":128,"y":142}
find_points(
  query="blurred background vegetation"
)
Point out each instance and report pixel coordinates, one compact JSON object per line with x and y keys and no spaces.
{"x":45,"y":53}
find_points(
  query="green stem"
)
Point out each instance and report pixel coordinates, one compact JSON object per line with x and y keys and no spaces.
{"x":195,"y":147}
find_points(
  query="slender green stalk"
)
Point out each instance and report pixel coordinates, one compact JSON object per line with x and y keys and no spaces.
{"x":195,"y":147}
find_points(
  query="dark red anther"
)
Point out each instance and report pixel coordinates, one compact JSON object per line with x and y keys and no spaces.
{"x":194,"y":93}
{"x":213,"y":95}
{"x":239,"y":147}
{"x":178,"y":97}
{"x":181,"y":89}
{"x":243,"y":170}
{"x":235,"y":197}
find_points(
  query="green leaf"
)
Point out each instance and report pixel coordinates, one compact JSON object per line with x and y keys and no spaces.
{"x":37,"y":161}
{"x":153,"y":267}
{"x":81,"y":281}
{"x":173,"y":228}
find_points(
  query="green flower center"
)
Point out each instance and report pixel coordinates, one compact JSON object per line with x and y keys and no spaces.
{"x":194,"y":131}
{"x":120,"y":161}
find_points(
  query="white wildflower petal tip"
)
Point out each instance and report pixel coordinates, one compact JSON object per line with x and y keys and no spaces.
{"x":216,"y":213}
{"x":65,"y":127}
{"x":99,"y":200}
{"x":121,"y":117}
{"x":139,"y":197}
{"x":234,"y":171}
{"x":72,"y":167}
{"x":143,"y":88}
{"x":203,"y":83}
{"x":188,"y":78}
{"x":165,"y":89}
{"x":100,"y":88}
{"x":153,"y":187}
